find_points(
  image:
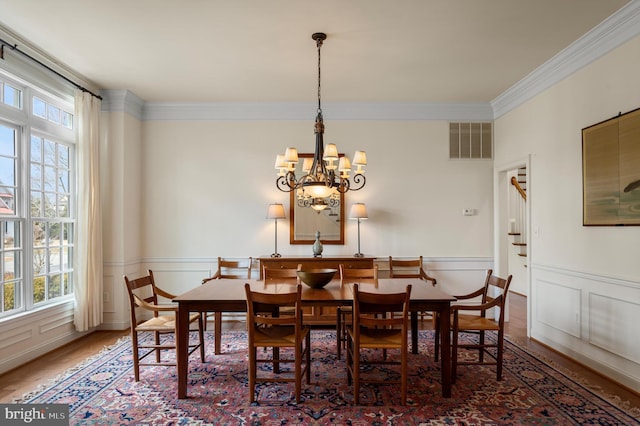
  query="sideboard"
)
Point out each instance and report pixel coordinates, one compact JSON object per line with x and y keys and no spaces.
{"x":318,"y":316}
{"x":320,"y":262}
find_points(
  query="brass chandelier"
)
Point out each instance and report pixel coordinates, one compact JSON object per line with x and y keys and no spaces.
{"x":322,"y":180}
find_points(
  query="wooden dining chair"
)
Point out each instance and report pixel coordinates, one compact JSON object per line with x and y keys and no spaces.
{"x":373,"y":328}
{"x":281,"y":275}
{"x":344,"y":313}
{"x":233,"y":269}
{"x":493,"y":295}
{"x":410,"y":268}
{"x":280,"y":331}
{"x":143,"y":295}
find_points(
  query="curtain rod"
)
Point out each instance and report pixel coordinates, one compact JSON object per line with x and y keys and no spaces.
{"x":15,"y":47}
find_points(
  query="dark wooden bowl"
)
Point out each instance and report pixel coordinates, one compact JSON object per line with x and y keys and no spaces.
{"x":317,"y":278}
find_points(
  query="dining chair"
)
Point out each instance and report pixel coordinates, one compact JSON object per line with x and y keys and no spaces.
{"x":143,"y":295}
{"x":233,"y":269}
{"x":373,"y":328}
{"x":280,"y":275}
{"x":283,"y":330}
{"x":410,"y":268}
{"x":493,"y":295}
{"x":344,"y":313}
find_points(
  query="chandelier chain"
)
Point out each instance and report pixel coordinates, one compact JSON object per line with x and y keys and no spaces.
{"x":319,"y":44}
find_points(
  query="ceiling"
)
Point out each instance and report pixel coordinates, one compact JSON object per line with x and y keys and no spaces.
{"x":435,"y":51}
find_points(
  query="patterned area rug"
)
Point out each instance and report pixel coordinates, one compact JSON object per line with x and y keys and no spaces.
{"x":102,"y":391}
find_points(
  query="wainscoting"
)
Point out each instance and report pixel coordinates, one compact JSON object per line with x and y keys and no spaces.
{"x":590,"y":318}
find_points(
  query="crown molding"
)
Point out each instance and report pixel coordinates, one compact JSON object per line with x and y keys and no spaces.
{"x":123,"y":101}
{"x":614,"y":31}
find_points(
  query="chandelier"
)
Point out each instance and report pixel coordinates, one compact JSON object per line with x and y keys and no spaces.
{"x":325,"y":176}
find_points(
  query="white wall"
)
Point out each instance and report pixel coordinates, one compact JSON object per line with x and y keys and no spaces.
{"x":585,"y":287}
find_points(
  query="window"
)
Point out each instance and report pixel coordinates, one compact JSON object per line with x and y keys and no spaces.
{"x":470,"y":140}
{"x":37,"y":198}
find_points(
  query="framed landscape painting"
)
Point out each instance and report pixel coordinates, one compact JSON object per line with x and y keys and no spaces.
{"x":611,"y":171}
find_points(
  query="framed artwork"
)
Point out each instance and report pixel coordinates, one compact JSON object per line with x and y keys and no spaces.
{"x":611,"y":171}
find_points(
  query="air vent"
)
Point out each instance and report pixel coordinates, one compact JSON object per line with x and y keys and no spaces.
{"x":470,"y":140}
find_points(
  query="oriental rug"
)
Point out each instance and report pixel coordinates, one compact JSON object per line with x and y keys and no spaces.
{"x":102,"y":391}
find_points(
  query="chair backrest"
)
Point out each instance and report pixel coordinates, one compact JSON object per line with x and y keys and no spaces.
{"x":234,"y":268}
{"x":496,"y":290}
{"x":351,"y":275}
{"x":405,"y":268}
{"x":258,"y":303}
{"x":366,"y":305}
{"x":141,"y":290}
{"x":281,"y":274}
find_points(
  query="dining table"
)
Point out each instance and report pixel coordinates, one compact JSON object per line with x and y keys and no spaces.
{"x":228,"y":295}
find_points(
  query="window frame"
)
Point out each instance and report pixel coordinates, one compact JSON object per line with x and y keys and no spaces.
{"x":28,"y":125}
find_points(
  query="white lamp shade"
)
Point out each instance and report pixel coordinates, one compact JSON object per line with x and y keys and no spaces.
{"x":358,"y":211}
{"x":275,"y":211}
{"x":306,"y":164}
{"x":291,"y":156}
{"x":330,"y":152}
{"x":280,"y":164}
{"x":360,"y":158}
{"x":344,"y":165}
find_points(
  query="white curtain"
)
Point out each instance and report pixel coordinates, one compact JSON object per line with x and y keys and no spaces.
{"x":88,"y":246}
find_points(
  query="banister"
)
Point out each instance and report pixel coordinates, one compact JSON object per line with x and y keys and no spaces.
{"x":514,"y":182}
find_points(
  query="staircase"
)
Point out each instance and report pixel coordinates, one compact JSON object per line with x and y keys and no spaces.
{"x":517,"y":211}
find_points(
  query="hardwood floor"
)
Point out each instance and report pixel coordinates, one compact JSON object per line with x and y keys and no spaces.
{"x":28,"y":377}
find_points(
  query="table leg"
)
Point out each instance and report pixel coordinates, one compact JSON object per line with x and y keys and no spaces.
{"x":218,"y":333}
{"x":182,"y":349}
{"x":445,"y":350}
{"x":414,"y":332}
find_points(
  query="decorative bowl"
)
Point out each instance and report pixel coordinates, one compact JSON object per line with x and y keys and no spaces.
{"x":316,"y":278}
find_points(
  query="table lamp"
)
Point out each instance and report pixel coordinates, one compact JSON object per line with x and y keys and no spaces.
{"x":275,"y":212}
{"x":358,"y":211}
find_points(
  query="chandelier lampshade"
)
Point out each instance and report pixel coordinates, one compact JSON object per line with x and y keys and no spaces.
{"x":327,"y":174}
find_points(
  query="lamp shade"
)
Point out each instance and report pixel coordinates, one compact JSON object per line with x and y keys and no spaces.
{"x":358,"y":211}
{"x":275,"y":211}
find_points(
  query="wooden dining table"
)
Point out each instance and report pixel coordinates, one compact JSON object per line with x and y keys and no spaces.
{"x":228,"y":295}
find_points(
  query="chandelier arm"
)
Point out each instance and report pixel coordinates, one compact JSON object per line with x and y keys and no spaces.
{"x":359,"y":180}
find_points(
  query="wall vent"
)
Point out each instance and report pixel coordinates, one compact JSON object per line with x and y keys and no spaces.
{"x":471,"y":140}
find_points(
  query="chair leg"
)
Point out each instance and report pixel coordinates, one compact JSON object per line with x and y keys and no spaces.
{"x":500,"y":352}
{"x":339,"y":334}
{"x":252,"y":374}
{"x":136,"y":361}
{"x":201,"y":326}
{"x":482,"y":347}
{"x":454,"y":356}
{"x":356,"y":375}
{"x":403,"y":375}
{"x":436,"y":326}
{"x":308,"y":344}
{"x":157,"y":341}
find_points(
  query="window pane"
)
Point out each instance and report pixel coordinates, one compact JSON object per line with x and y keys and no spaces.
{"x":7,"y":203}
{"x":36,"y":177}
{"x":67,"y":284}
{"x":7,"y":141}
{"x":54,"y":286}
{"x":38,"y":289}
{"x":39,"y":108}
{"x":10,"y":234}
{"x":63,"y":206}
{"x":53,"y":113}
{"x":36,"y":149}
{"x":7,"y":173}
{"x":67,"y":120}
{"x":49,"y":152}
{"x":11,"y":265}
{"x":50,"y":208}
{"x":49,"y":179}
{"x":11,"y":96}
{"x":11,"y":297}
{"x":63,"y":156}
{"x":39,"y":234}
{"x":65,"y":259}
{"x":63,"y":181}
{"x":39,"y":262}
{"x":36,"y":204}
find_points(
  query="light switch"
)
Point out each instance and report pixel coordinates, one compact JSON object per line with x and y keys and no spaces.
{"x":468,"y":212}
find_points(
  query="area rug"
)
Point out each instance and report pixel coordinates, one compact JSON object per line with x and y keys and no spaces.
{"x":102,"y":391}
